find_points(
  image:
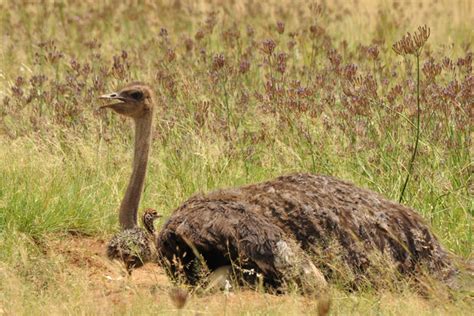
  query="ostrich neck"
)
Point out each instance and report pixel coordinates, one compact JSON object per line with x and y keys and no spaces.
{"x":148,"y":224}
{"x":129,"y":205}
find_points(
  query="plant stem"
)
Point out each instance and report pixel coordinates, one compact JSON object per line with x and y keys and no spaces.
{"x":227,"y":108}
{"x":415,"y":149}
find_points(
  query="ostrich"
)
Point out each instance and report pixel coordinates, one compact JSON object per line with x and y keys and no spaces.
{"x":275,"y":229}
{"x":135,"y":246}
{"x":132,"y":244}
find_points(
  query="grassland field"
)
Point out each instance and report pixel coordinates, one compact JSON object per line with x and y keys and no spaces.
{"x":247,"y":90}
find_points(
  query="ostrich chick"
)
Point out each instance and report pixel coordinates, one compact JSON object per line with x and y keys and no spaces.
{"x":135,"y":246}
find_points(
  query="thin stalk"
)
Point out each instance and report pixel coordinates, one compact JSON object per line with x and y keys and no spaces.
{"x":311,"y":149}
{"x":230,"y":118}
{"x":415,"y":149}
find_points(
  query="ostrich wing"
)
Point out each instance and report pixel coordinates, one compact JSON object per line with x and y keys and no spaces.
{"x":222,"y":231}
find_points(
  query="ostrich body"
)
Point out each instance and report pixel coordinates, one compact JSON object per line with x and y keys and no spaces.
{"x":276,"y":228}
{"x":266,"y":227}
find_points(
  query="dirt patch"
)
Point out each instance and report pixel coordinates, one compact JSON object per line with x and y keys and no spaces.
{"x":111,"y":288}
{"x":87,"y":255}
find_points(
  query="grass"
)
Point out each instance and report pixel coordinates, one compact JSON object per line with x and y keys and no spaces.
{"x":233,"y":110}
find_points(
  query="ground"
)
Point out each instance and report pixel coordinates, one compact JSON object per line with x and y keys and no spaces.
{"x":99,"y":286}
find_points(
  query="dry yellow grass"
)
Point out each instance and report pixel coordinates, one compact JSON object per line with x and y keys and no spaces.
{"x":82,"y":281}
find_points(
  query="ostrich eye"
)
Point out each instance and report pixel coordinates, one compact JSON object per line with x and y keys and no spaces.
{"x":137,"y":95}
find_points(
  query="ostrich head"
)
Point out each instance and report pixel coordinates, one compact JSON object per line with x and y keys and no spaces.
{"x":148,"y":219}
{"x":134,"y":100}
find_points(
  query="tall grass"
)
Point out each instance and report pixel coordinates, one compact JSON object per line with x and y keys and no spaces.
{"x":246,"y":92}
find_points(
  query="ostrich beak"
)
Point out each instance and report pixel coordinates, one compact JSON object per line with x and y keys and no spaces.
{"x":111,"y":96}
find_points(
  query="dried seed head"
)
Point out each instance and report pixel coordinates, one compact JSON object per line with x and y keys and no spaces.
{"x":280,"y":27}
{"x":92,"y":44}
{"x":335,"y":58}
{"x":211,"y":21}
{"x":349,"y":72}
{"x":465,"y":63}
{"x":268,"y":46}
{"x":218,"y":62}
{"x":244,"y":66}
{"x":394,"y":93}
{"x":170,"y":55}
{"x":316,"y":8}
{"x":421,"y":36}
{"x":199,"y":35}
{"x":179,"y":297}
{"x":370,"y":86}
{"x":316,"y":31}
{"x":17,"y":92}
{"x":20,"y":81}
{"x":431,"y":69}
{"x":451,"y":90}
{"x":86,"y":69}
{"x":466,"y":95}
{"x":38,"y":80}
{"x":448,"y":63}
{"x":189,"y":44}
{"x":231,"y":35}
{"x":405,"y":46}
{"x":291,"y":44}
{"x":75,"y":65}
{"x":163,"y":32}
{"x":373,"y":52}
{"x":203,"y":54}
{"x":412,"y":45}
{"x":120,"y":66}
{"x":281,"y":62}
{"x":250,"y":31}
{"x":6,"y":101}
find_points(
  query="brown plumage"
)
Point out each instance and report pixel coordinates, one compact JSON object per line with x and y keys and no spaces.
{"x":319,"y":215}
{"x":278,"y":229}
